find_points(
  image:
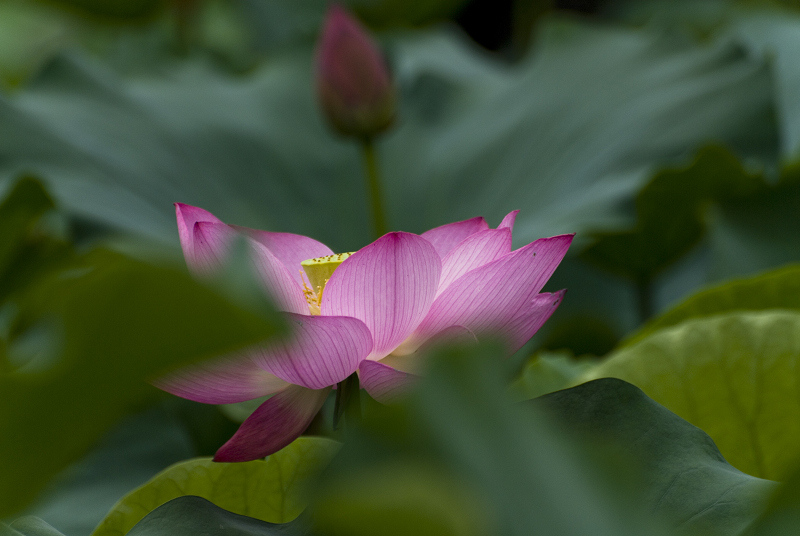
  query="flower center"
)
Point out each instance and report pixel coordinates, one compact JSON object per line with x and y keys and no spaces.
{"x":319,"y":271}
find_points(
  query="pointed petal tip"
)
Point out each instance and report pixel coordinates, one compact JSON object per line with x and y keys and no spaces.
{"x":274,"y":425}
{"x":508,"y":220}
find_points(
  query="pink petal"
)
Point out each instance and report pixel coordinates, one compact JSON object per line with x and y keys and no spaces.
{"x":321,"y":350}
{"x":384,"y":383}
{"x":489,"y":297}
{"x":224,"y":381}
{"x":187,"y":216}
{"x":290,"y":249}
{"x":508,"y":221}
{"x":278,"y":280}
{"x":389,"y":285}
{"x":211,"y":246}
{"x":213,"y":242}
{"x":276,"y":423}
{"x":448,"y":337}
{"x":474,"y":251}
{"x":446,"y":237}
{"x":406,"y":356}
{"x":530,"y":319}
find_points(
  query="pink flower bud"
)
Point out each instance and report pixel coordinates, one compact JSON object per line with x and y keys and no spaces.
{"x":353,"y":83}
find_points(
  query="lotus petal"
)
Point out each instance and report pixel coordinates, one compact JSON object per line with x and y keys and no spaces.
{"x":508,"y":221}
{"x":276,"y":423}
{"x":187,"y":216}
{"x":384,"y":383}
{"x":321,"y":350}
{"x":222,"y":381}
{"x":473,"y":252}
{"x":528,"y":320}
{"x":290,"y":249}
{"x":446,"y":237}
{"x":389,"y":285}
{"x":489,"y":297}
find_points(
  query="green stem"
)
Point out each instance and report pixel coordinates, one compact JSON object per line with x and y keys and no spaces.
{"x":374,"y":187}
{"x":348,"y":401}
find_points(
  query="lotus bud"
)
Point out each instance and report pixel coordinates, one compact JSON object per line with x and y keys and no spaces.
{"x":352,"y":79}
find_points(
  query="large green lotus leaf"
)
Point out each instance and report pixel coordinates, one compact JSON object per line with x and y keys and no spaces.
{"x":778,"y":289}
{"x":269,"y":490}
{"x":683,"y":478}
{"x":567,"y":135}
{"x":190,"y":516}
{"x":733,"y":375}
{"x":86,"y":342}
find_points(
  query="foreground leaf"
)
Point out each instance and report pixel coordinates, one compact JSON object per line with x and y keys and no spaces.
{"x":683,"y":477}
{"x":733,"y":375}
{"x":190,"y":516}
{"x":268,"y":490}
{"x":484,"y":465}
{"x":94,"y":337}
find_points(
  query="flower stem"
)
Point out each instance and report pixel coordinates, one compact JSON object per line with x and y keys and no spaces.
{"x":374,"y":187}
{"x":348,"y":401}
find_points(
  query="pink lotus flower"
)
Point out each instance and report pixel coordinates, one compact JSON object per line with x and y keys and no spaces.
{"x":372,"y":314}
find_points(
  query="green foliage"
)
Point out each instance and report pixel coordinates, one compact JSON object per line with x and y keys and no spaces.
{"x":128,"y":456}
{"x":683,"y":477}
{"x":545,"y":373}
{"x":670,"y":219}
{"x":732,"y":375}
{"x":576,"y":134}
{"x":269,"y":490}
{"x":188,"y":516}
{"x":118,"y":9}
{"x":783,"y":514}
{"x":264,"y":159}
{"x":778,"y":289}
{"x":469,"y":461}
{"x":486,"y":451}
{"x":28,"y":249}
{"x":28,"y":526}
{"x":80,"y":343}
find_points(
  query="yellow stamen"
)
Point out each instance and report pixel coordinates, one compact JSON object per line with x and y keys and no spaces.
{"x":319,"y":271}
